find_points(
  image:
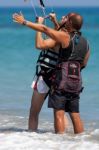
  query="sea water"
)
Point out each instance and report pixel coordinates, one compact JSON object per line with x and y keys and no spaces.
{"x":18,"y":57}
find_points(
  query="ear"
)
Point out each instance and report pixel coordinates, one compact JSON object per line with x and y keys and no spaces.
{"x":70,"y":22}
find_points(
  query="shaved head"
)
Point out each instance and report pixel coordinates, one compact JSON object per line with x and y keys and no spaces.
{"x":73,"y":21}
{"x":76,"y":20}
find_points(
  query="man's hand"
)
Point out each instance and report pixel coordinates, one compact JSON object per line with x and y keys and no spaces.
{"x":19,"y":18}
{"x":54,"y":20}
{"x":52,"y":17}
{"x":40,"y":20}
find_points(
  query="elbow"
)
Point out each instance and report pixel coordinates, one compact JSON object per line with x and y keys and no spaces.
{"x":38,"y":46}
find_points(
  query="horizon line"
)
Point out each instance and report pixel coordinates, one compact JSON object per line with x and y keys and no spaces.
{"x":53,"y":6}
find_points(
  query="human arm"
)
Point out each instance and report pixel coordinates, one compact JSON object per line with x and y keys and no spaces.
{"x":54,"y":20}
{"x":42,"y":43}
{"x":85,"y":59}
{"x":59,"y":36}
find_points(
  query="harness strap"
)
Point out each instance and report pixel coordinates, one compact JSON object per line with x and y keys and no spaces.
{"x":47,"y":60}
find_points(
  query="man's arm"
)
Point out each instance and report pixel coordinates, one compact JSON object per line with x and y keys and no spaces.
{"x":54,"y":20}
{"x":58,"y":36}
{"x":86,"y":59}
{"x":42,"y":43}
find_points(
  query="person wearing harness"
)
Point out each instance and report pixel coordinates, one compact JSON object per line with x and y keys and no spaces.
{"x":66,"y":81}
{"x":45,"y":64}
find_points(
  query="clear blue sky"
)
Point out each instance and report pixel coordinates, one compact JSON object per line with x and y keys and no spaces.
{"x":49,"y":2}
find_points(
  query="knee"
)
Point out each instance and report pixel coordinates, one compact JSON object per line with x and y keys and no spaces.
{"x":75,"y":117}
{"x":33,"y":112}
{"x":59,"y":116}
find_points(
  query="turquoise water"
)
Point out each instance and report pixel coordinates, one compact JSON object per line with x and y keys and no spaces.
{"x":18,"y":58}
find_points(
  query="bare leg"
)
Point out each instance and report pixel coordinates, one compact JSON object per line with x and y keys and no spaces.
{"x":36,"y":105}
{"x":59,"y":124}
{"x":77,"y":123}
{"x":66,"y":121}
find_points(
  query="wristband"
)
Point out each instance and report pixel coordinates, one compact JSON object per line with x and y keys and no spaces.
{"x":24,"y":23}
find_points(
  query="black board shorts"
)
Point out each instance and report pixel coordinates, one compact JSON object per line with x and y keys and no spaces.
{"x":69,"y":102}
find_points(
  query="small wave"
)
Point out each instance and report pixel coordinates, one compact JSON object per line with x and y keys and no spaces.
{"x":45,"y":141}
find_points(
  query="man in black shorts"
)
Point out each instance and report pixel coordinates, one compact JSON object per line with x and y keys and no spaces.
{"x":67,"y":83}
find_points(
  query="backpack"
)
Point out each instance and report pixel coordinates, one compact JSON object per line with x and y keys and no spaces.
{"x":67,"y":77}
